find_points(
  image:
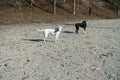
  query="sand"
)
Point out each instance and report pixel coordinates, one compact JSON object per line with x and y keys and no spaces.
{"x":94,"y":55}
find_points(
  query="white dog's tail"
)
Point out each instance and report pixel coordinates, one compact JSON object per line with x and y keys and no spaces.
{"x":40,"y":30}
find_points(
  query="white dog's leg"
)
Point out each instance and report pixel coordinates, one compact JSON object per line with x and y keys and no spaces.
{"x":44,"y":40}
{"x":56,"y":40}
{"x":57,"y":37}
{"x":45,"y":36}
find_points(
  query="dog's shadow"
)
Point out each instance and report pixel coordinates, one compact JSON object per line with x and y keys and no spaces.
{"x":69,"y":24}
{"x":34,"y":40}
{"x":37,"y":40}
{"x":68,"y":32}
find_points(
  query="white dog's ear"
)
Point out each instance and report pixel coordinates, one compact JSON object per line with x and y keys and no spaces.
{"x":56,"y":29}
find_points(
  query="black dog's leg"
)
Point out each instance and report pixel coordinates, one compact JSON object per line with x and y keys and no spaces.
{"x":77,"y":28}
{"x":84,"y":25}
{"x":84,"y":28}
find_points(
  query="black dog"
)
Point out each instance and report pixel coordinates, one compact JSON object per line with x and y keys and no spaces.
{"x":82,"y":25}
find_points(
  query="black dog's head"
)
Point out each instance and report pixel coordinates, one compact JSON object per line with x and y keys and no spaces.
{"x":83,"y":21}
{"x":84,"y":25}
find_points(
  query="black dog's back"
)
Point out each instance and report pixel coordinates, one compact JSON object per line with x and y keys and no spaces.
{"x":82,"y":25}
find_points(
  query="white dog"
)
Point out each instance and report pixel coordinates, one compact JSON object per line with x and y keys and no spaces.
{"x":55,"y":32}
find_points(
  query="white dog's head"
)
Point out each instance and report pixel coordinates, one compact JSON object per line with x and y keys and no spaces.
{"x":59,"y":28}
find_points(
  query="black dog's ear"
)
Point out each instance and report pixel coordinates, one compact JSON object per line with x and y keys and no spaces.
{"x":84,"y":22}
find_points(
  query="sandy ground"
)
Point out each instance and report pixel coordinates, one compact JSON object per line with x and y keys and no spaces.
{"x":91,"y":56}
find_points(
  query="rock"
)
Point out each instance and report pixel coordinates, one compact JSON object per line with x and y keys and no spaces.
{"x":6,"y":64}
{"x":28,"y":60}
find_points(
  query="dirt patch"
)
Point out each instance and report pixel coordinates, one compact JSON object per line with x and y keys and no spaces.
{"x":91,"y":56}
